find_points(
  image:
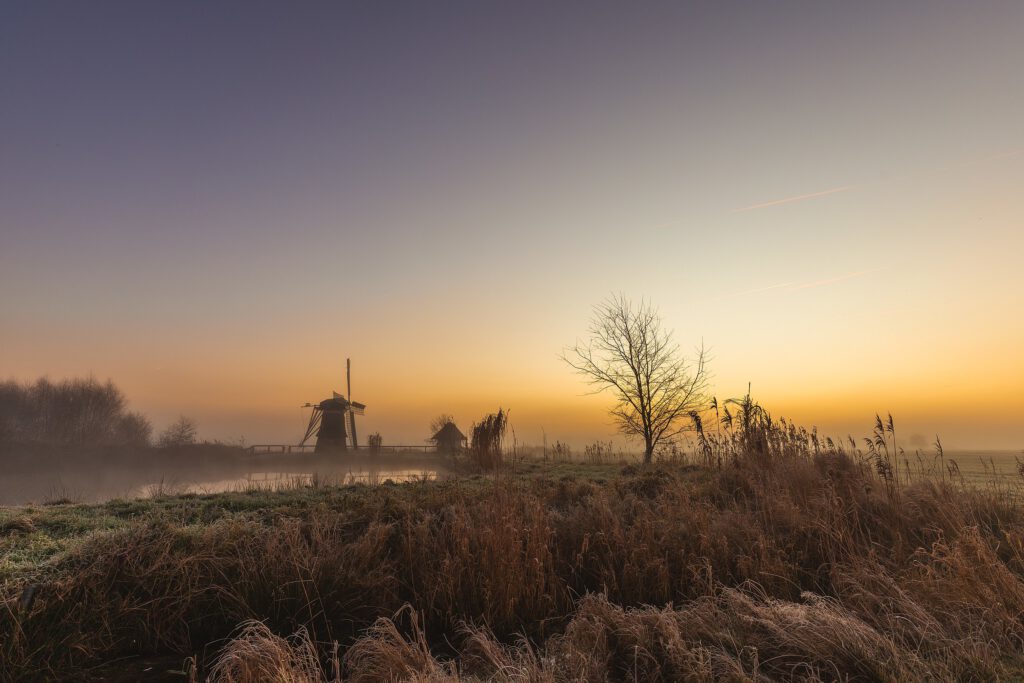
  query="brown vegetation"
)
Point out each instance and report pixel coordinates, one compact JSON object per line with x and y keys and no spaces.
{"x":792,"y":560}
{"x":71,"y":412}
{"x":485,"y":448}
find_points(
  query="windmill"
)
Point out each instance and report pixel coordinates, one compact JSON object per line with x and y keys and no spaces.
{"x":333,"y":419}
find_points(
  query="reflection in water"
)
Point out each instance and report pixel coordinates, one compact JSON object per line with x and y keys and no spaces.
{"x":29,"y":478}
{"x":278,"y":481}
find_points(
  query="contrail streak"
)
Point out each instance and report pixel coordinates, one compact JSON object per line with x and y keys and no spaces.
{"x":820,"y":283}
{"x":798,"y":198}
{"x":795,"y":286}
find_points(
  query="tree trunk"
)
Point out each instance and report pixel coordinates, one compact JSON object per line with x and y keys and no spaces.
{"x":648,"y":451}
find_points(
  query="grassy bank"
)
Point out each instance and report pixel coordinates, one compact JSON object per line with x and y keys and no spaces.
{"x":773,"y":565}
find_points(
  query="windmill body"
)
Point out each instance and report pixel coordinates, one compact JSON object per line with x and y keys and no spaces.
{"x":333,"y":422}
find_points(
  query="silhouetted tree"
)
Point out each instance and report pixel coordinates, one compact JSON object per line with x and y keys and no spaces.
{"x":181,"y":433}
{"x":439,"y":422}
{"x":630,"y":354}
{"x":72,"y":412}
{"x":133,"y":429}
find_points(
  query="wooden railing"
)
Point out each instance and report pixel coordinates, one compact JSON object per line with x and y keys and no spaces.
{"x":259,"y":449}
{"x":278,"y":448}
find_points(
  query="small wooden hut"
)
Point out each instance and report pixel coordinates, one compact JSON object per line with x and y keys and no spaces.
{"x":449,"y":439}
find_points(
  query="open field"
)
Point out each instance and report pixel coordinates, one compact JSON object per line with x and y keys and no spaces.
{"x":788,"y":567}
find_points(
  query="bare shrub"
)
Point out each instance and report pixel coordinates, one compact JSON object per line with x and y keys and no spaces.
{"x":440,"y":421}
{"x":182,"y":432}
{"x":374,"y":442}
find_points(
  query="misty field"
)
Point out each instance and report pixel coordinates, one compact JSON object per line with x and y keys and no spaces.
{"x":775,"y":558}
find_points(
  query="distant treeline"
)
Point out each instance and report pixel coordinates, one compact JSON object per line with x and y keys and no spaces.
{"x":71,"y":412}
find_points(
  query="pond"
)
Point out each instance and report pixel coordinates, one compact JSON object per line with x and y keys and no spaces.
{"x":279,"y":481}
{"x":38,"y":478}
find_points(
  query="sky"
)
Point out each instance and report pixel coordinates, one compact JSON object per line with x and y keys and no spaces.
{"x":215,"y":203}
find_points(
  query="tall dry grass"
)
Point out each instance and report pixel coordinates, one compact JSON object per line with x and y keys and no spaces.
{"x":256,"y":655}
{"x":791,"y":560}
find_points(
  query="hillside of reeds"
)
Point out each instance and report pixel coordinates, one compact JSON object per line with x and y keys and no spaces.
{"x":778,"y":558}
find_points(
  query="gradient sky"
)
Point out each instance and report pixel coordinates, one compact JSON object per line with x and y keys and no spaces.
{"x":215,"y":203}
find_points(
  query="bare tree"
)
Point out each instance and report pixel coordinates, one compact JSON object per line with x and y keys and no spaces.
{"x":439,"y":422}
{"x":134,"y":429}
{"x":70,"y":412}
{"x":630,"y":354}
{"x":181,"y":433}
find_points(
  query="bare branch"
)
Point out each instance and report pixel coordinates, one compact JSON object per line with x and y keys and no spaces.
{"x":629,"y":354}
